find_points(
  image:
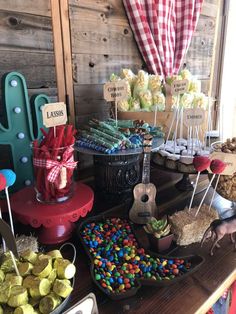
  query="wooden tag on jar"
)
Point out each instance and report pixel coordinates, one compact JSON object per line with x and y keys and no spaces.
{"x":229,"y":159}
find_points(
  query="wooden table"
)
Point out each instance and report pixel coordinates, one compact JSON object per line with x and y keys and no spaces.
{"x":194,"y":294}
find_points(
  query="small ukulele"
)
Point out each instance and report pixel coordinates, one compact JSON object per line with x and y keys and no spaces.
{"x":144,"y":206}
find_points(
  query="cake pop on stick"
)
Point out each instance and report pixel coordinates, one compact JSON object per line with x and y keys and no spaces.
{"x":10,"y":177}
{"x":200,"y":164}
{"x":3,"y":183}
{"x":217,"y":166}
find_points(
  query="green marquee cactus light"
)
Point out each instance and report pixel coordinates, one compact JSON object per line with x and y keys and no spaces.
{"x":21,"y":124}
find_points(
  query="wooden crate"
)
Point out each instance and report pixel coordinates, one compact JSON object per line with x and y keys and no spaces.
{"x":164,"y":119}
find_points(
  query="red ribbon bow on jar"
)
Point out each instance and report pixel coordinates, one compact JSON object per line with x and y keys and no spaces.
{"x":56,"y":166}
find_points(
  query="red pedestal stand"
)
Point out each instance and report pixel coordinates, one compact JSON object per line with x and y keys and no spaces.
{"x":56,"y":220}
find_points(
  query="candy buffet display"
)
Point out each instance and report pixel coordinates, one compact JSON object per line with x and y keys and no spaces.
{"x":111,"y":136}
{"x":120,"y":265}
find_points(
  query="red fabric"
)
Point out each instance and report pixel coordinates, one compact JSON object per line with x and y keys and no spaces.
{"x":232,"y":308}
{"x":55,"y":166}
{"x":163,"y":30}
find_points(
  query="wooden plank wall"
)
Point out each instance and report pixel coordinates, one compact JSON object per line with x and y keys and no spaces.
{"x":103,"y":43}
{"x":199,"y":57}
{"x":26,"y":43}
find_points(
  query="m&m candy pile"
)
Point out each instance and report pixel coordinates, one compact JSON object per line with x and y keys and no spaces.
{"x":119,"y":262}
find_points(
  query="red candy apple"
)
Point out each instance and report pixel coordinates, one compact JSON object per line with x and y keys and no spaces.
{"x":217,"y":166}
{"x":3,"y":182}
{"x":201,"y":163}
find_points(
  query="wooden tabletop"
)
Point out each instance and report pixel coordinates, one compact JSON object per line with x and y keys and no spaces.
{"x":194,"y":294}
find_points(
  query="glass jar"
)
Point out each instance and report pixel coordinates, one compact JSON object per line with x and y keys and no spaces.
{"x":53,"y":170}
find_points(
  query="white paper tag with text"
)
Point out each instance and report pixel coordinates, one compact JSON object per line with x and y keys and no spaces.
{"x":115,"y":91}
{"x":194,"y":117}
{"x":54,"y":114}
{"x":179,"y":87}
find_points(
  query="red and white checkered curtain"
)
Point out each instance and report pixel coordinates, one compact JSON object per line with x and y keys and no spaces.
{"x":163,"y":30}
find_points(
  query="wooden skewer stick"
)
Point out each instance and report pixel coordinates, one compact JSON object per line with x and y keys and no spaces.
{"x":171,"y":125}
{"x":9,"y":210}
{"x":14,"y":263}
{"x":3,"y":241}
{"x":204,"y":196}
{"x":214,"y":192}
{"x":194,"y":190}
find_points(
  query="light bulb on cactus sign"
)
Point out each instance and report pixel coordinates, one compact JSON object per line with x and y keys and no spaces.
{"x":54,"y":114}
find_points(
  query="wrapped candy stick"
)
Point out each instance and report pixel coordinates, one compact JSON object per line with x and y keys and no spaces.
{"x":200,"y":164}
{"x":3,"y":183}
{"x":113,"y":133}
{"x":217,"y":166}
{"x":10,"y":178}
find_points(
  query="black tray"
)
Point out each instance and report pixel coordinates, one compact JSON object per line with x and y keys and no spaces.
{"x":195,"y":260}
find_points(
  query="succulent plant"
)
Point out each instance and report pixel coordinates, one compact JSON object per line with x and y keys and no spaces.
{"x":159,"y":228}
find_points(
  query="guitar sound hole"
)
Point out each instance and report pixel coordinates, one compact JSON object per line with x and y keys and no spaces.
{"x":144,"y":198}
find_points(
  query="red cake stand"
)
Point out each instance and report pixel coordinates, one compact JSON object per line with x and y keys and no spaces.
{"x":56,"y":221}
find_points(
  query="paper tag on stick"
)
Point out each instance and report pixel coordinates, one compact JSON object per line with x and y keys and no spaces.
{"x":179,"y":87}
{"x":229,"y":159}
{"x":54,"y":114}
{"x":115,"y":91}
{"x":194,"y":117}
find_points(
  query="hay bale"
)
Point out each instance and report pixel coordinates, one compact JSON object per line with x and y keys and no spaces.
{"x":189,"y":229}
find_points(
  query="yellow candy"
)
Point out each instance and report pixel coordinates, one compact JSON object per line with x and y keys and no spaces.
{"x":164,"y":263}
{"x":112,"y":267}
{"x":121,"y":287}
{"x":137,"y":258}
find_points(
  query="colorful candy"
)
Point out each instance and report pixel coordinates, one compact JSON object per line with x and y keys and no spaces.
{"x":119,"y":261}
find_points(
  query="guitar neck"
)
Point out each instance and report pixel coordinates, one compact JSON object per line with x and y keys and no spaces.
{"x":146,"y":168}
